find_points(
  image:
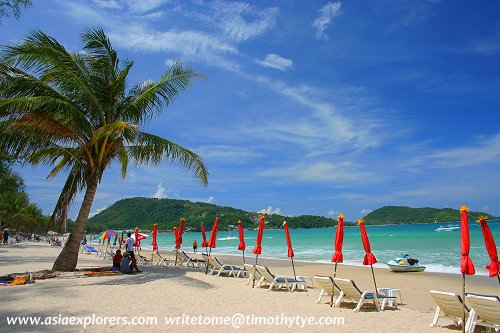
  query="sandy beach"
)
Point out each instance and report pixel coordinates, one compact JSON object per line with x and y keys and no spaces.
{"x":185,"y":293}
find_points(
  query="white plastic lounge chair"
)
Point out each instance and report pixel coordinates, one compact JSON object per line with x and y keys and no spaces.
{"x":188,"y":261}
{"x":251,"y":269}
{"x":278,"y":282}
{"x":158,"y":260}
{"x":219,"y":268}
{"x":350,"y":291}
{"x":449,"y":305}
{"x":485,"y":311}
{"x":326,"y":284}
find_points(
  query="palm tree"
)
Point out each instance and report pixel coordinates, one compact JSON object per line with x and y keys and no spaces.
{"x":72,"y":110}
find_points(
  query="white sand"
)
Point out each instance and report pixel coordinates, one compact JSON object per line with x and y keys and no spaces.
{"x":175,"y":291}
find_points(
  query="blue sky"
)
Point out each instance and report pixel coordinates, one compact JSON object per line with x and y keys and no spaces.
{"x":312,"y":107}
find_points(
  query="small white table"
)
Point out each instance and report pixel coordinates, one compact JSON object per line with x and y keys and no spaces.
{"x":391,"y":292}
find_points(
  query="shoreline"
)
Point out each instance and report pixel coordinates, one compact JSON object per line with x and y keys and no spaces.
{"x":180,"y":291}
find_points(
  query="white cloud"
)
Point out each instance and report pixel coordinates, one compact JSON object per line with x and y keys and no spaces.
{"x":160,"y":192}
{"x":97,"y":211}
{"x":486,"y":150}
{"x":338,"y":173}
{"x":227,"y":154}
{"x":332,"y":212}
{"x":108,"y":4}
{"x":210,"y":200}
{"x":269,"y":211}
{"x":143,"y":6}
{"x":275,"y":61}
{"x":365,"y":211}
{"x":322,"y":22}
{"x":240,"y":21}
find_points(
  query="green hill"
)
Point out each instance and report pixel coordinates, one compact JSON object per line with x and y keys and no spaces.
{"x":404,"y":215}
{"x":144,"y":212}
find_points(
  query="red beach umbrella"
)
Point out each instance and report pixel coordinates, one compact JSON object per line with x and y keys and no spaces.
{"x":337,"y":256}
{"x":466,"y":265}
{"x":289,"y":245}
{"x":181,"y":225}
{"x":489,"y":242}
{"x":369,"y":258}
{"x":154,"y":243}
{"x":212,"y":242}
{"x":203,"y":234}
{"x":177,"y":243}
{"x":136,"y":243}
{"x":339,"y":240}
{"x":242,"y":245}
{"x":258,"y":245}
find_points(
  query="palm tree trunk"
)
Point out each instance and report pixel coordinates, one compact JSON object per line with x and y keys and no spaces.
{"x":68,"y":258}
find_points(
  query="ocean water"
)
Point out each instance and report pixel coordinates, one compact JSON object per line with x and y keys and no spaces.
{"x":438,"y":251}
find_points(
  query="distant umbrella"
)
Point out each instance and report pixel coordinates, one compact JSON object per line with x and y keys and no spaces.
{"x":107,"y":234}
{"x":136,"y":243}
{"x":466,"y":265}
{"x":204,"y":235}
{"x":258,"y":245}
{"x":241,"y":246}
{"x":289,"y":245}
{"x":489,"y":242}
{"x":338,"y":257}
{"x":154,"y":242}
{"x":212,"y":242}
{"x":181,"y":229}
{"x":177,"y":243}
{"x":369,"y":258}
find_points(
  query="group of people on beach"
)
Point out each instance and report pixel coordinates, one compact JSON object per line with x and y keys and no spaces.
{"x":127,"y":262}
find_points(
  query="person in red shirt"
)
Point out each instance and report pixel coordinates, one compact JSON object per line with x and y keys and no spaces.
{"x":116,"y":260}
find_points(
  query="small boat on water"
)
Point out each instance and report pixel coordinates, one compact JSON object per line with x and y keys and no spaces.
{"x":449,"y":227}
{"x":404,"y":263}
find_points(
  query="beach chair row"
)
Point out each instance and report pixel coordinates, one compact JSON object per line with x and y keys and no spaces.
{"x":480,"y":310}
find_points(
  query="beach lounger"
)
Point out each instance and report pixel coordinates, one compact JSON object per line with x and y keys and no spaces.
{"x":485,"y":311}
{"x":275,"y":281}
{"x":350,"y":291}
{"x":90,"y":250}
{"x":189,"y":261}
{"x":219,"y":268}
{"x":449,"y":305}
{"x":251,"y":269}
{"x":158,"y":260}
{"x":326,"y":284}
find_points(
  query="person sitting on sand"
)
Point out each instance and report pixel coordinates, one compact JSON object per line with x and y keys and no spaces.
{"x":126,"y":264}
{"x":129,"y":247}
{"x":116,"y":260}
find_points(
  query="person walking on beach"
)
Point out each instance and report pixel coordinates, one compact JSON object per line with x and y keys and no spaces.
{"x":129,"y":247}
{"x":195,"y":246}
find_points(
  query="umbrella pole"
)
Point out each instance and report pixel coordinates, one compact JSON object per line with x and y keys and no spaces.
{"x":376,"y":289}
{"x":176,"y":253}
{"x":293,"y":266}
{"x":206,"y":265}
{"x":333,"y":290}
{"x":255,"y":270}
{"x":498,"y":276}
{"x":463,"y":300}
{"x":244,"y":262}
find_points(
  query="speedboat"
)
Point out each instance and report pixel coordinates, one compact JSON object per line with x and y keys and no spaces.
{"x":449,"y":227}
{"x":404,"y":263}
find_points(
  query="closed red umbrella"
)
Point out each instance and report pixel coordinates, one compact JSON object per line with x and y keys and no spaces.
{"x":337,"y":256}
{"x":177,"y":243}
{"x":339,"y":240}
{"x":489,"y":242}
{"x":203,"y":234}
{"x":242,"y":245}
{"x":212,"y":242}
{"x":137,"y":242}
{"x":289,"y":245}
{"x":258,"y":245}
{"x":181,"y":231}
{"x":154,"y":242}
{"x":466,"y":265}
{"x":369,"y":258}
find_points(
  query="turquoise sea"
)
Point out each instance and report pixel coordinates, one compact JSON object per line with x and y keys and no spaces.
{"x":438,"y":251}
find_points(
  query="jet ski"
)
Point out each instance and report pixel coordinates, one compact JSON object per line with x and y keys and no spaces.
{"x":404,"y":263}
